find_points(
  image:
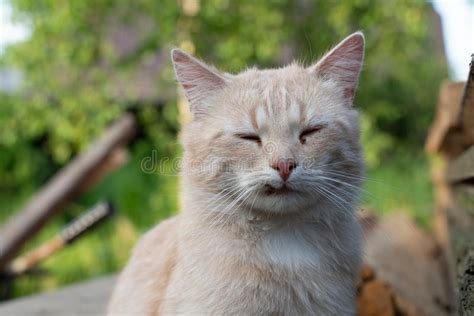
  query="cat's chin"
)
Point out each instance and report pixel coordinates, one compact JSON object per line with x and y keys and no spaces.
{"x":282,"y":191}
{"x":281,"y":201}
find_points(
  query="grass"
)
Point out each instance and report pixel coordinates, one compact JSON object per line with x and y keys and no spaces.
{"x":144,"y":199}
{"x":401,"y":185}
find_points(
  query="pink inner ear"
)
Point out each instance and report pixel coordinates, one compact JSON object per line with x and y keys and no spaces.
{"x":343,"y":63}
{"x":198,"y":80}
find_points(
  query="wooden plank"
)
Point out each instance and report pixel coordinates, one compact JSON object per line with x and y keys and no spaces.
{"x":460,"y":212}
{"x":410,"y":263}
{"x":462,"y":168}
{"x":452,"y":131}
{"x":446,"y":121}
{"x":461,"y":225}
{"x":467,"y":108}
{"x":61,"y":188}
{"x":87,"y":298}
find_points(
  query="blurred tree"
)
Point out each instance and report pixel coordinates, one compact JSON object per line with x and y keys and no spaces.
{"x":81,"y":64}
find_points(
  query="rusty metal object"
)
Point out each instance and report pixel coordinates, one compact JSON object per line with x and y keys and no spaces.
{"x":68,"y":235}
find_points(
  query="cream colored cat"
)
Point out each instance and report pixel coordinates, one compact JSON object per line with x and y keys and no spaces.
{"x":270,"y":183}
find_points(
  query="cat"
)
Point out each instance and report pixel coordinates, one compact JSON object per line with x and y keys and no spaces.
{"x":270,"y":183}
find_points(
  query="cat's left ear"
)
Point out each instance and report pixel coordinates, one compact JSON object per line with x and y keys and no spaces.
{"x":343,"y":63}
{"x":199,"y":81}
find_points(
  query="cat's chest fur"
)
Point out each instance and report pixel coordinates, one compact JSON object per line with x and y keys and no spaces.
{"x":277,"y":269}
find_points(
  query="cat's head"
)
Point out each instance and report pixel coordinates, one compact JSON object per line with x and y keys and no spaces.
{"x":277,"y":140}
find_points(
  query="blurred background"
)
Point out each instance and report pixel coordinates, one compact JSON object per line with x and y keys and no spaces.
{"x":70,"y":68}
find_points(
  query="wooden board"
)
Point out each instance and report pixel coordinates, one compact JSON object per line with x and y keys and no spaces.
{"x":462,"y":169}
{"x":66,"y":184}
{"x":409,"y":265}
{"x":87,"y":298}
{"x":460,"y":213}
{"x":461,"y":226}
{"x":446,"y":120}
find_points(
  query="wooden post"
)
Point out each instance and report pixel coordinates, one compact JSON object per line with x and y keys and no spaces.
{"x":452,"y":137}
{"x":66,"y":184}
{"x":461,"y":228}
{"x":461,"y":212}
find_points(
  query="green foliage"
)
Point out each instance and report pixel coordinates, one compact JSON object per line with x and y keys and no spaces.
{"x":401,"y":185}
{"x":69,"y":62}
{"x":78,"y":80}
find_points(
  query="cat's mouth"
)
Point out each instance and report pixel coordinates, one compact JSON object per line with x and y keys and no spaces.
{"x":270,"y":190}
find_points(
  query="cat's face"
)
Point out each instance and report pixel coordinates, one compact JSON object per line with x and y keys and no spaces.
{"x":276,"y":140}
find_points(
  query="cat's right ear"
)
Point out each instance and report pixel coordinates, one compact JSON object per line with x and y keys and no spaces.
{"x":199,"y":81}
{"x":343,"y":63}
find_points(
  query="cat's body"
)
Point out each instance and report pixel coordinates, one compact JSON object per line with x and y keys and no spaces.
{"x":263,"y":230}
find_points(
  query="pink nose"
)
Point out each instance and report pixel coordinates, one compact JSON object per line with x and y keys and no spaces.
{"x":284,"y":167}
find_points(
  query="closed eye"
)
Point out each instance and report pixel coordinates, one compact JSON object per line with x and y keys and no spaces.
{"x":250,"y":137}
{"x":310,"y":131}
